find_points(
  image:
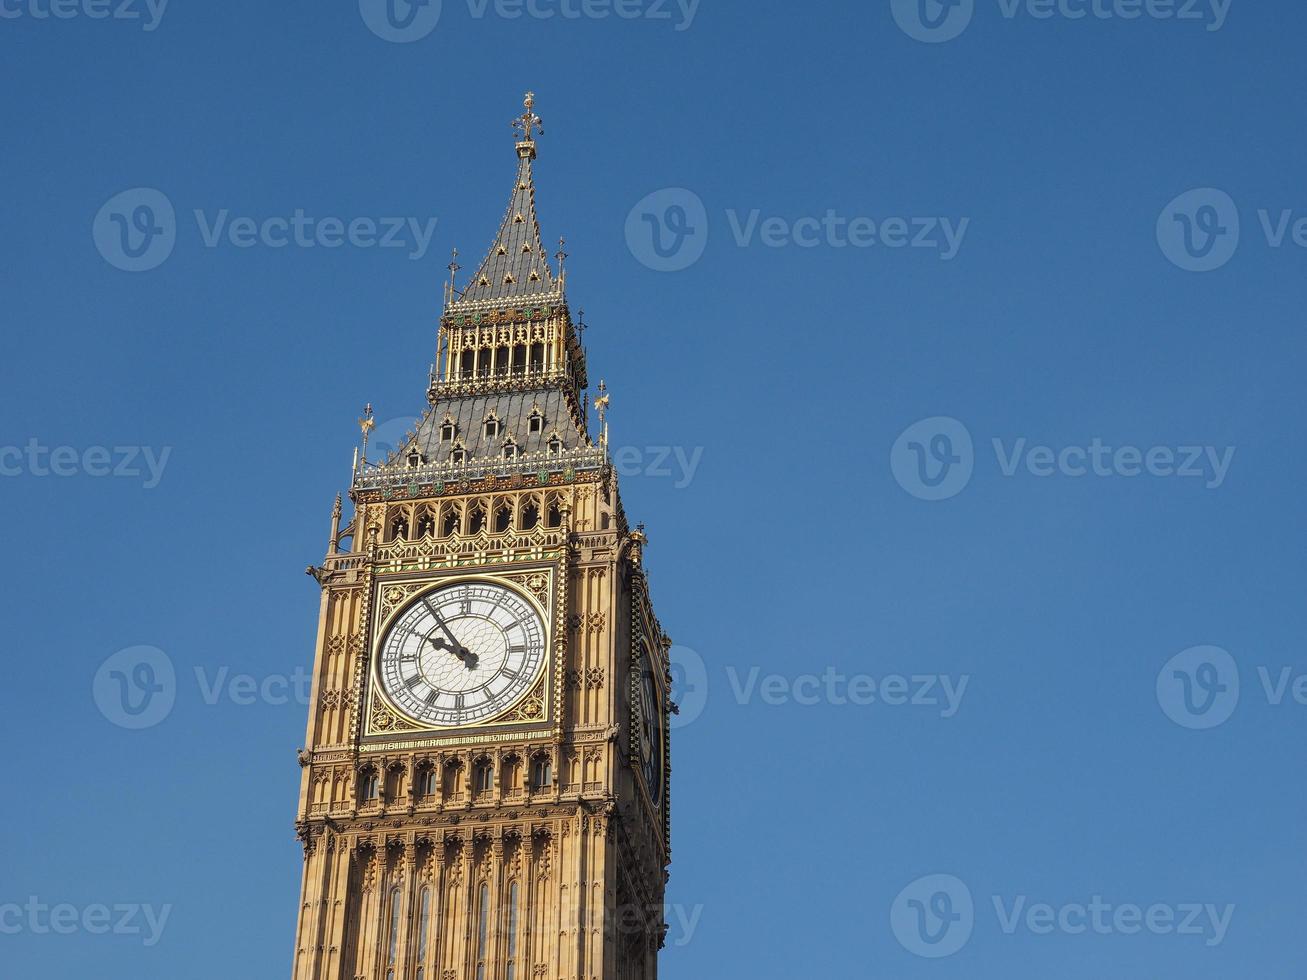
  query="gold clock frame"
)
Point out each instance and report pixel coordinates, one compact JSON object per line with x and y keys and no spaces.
{"x":383,"y":719}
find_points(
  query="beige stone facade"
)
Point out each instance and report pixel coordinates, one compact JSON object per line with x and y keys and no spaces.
{"x":531,"y":842}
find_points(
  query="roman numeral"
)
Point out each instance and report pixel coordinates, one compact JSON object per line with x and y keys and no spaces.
{"x":519,"y":648}
{"x":413,"y":681}
{"x":458,"y":702}
{"x":509,"y":672}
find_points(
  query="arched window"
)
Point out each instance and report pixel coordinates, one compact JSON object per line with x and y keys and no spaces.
{"x":467,"y":365}
{"x":501,"y":361}
{"x":511,"y":972}
{"x":393,"y":942}
{"x":483,"y":777}
{"x":519,"y":359}
{"x":424,"y":926}
{"x":483,"y":930}
{"x":451,"y":787}
{"x":503,"y":519}
{"x":537,"y":358}
{"x":427,"y":782}
{"x":398,"y":528}
{"x":542,"y":773}
{"x":426,"y":524}
{"x":369,"y":786}
{"x":451,"y":521}
{"x":477,"y":520}
{"x":555,"y":518}
{"x":530,"y":516}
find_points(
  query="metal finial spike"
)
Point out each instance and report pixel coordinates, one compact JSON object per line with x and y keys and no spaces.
{"x":367,"y":423}
{"x":528,"y":124}
{"x":561,"y":255}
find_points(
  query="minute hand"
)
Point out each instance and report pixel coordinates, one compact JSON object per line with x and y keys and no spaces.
{"x":460,"y":651}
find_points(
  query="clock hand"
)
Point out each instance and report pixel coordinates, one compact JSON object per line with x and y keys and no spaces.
{"x":460,"y":651}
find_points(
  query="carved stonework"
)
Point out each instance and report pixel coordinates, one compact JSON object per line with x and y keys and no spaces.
{"x":542,"y":789}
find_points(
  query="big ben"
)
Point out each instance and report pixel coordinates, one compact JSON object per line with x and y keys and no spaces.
{"x":484,"y":787}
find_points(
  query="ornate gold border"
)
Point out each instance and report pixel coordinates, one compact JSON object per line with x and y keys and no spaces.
{"x":388,"y":608}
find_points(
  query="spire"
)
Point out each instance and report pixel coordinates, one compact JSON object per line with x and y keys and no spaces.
{"x":516,"y":267}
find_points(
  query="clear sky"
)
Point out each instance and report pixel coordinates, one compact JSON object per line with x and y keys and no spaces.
{"x":888,"y":236}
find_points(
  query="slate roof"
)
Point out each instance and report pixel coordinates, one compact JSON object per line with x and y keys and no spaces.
{"x":513,"y":410}
{"x":516,"y":265}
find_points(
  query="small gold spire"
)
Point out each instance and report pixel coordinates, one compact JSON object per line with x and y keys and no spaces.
{"x":601,"y":406}
{"x":366,"y":424}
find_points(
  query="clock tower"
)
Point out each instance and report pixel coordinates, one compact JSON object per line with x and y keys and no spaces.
{"x":484,"y":788}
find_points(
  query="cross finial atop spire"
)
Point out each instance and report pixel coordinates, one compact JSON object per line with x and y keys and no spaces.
{"x":527,"y":125}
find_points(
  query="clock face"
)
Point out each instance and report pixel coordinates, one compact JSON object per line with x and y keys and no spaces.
{"x":651,"y":735}
{"x":462,"y":654}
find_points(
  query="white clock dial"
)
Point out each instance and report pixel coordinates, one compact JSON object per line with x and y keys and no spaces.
{"x":462,"y":654}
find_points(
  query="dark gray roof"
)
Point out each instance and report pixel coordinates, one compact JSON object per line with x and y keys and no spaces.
{"x":513,"y":410}
{"x":516,"y":265}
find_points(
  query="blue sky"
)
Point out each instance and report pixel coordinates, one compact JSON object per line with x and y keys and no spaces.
{"x":1099,"y":382}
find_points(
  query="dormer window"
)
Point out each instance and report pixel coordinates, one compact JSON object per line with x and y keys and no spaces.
{"x":535,"y":422}
{"x":493,"y":427}
{"x":555,"y":446}
{"x":458,"y":456}
{"x":510,"y":450}
{"x":447,"y":430}
{"x":415,"y":458}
